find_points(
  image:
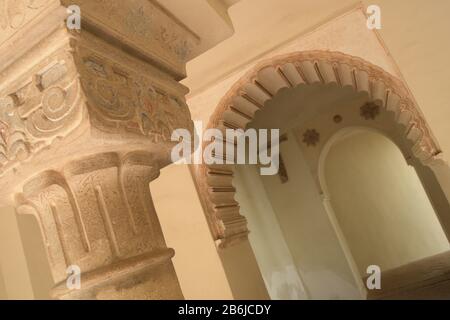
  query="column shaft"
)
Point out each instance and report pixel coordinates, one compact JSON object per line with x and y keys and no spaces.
{"x":96,"y":213}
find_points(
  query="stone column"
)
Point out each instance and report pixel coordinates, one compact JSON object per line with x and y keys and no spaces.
{"x":86,"y":118}
{"x":96,"y":213}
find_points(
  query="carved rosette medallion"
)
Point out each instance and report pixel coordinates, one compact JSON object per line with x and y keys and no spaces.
{"x":311,"y":137}
{"x":370,"y":111}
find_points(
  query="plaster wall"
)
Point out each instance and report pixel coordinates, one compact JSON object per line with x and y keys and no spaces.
{"x":380,"y":203}
{"x":274,"y":257}
{"x":16,"y":282}
{"x":185,"y":229}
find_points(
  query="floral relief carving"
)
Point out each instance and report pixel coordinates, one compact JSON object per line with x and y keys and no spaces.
{"x":145,"y":22}
{"x":311,"y":137}
{"x":13,"y":144}
{"x":370,"y":111}
{"x":161,"y":114}
{"x":142,"y":22}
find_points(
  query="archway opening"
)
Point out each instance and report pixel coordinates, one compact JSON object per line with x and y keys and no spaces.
{"x":380,"y":203}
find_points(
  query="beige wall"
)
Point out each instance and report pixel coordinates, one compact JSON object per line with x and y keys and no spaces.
{"x":36,"y":257}
{"x":416,"y":33}
{"x":24,"y":269}
{"x":16,"y":280}
{"x":242,"y":271}
{"x":3,"y":291}
{"x":185,"y":229}
{"x":380,"y":203}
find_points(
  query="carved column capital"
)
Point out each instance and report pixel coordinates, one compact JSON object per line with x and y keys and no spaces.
{"x":75,"y":94}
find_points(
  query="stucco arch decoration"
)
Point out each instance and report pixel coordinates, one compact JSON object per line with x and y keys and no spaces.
{"x":238,"y":107}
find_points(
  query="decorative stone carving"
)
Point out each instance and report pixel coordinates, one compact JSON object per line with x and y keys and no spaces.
{"x":57,"y":94}
{"x":13,"y":145}
{"x":311,"y":137}
{"x":144,"y":25}
{"x":51,"y":75}
{"x":47,"y":105}
{"x":370,"y":111}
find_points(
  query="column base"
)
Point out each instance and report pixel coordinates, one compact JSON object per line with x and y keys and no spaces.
{"x":147,"y":277}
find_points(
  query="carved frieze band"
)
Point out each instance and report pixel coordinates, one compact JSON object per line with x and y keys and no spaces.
{"x":75,"y":83}
{"x":145,"y":25}
{"x":120,"y":99}
{"x":263,"y":82}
